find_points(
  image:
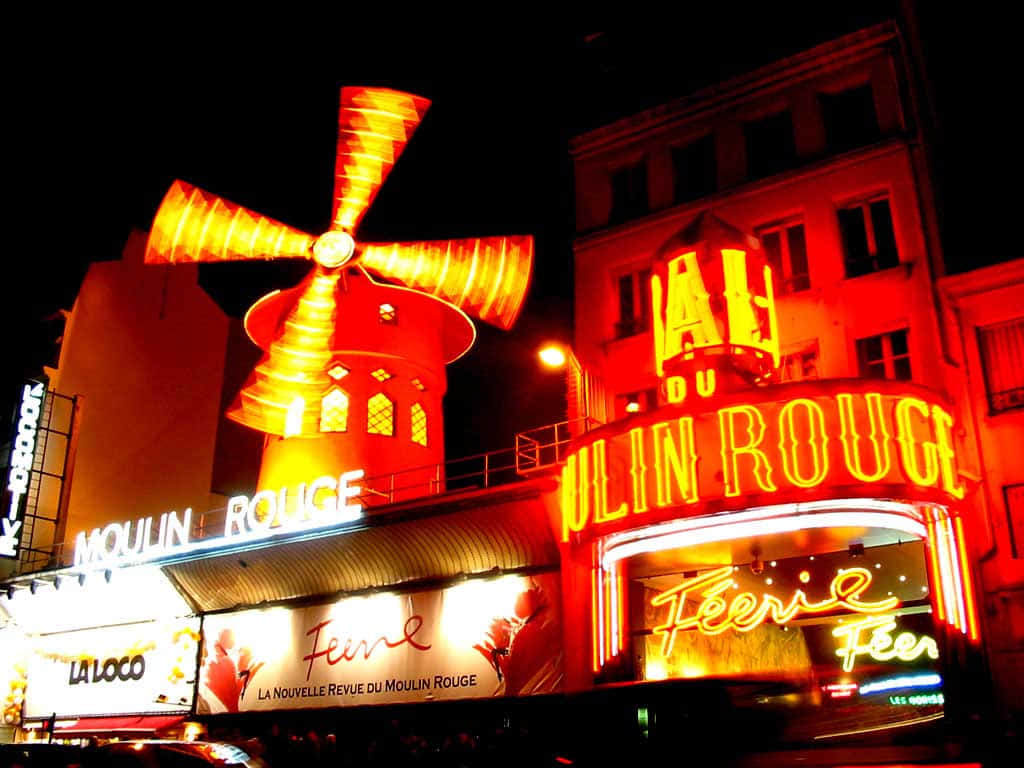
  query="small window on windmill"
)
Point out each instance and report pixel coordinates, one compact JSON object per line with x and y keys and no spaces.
{"x":380,"y":415}
{"x":388,"y":314}
{"x":418,"y":422}
{"x":381,"y":374}
{"x":418,"y":383}
{"x":334,"y":411}
{"x":337,"y":371}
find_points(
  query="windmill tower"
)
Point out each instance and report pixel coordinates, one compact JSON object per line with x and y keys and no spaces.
{"x":353,"y":369}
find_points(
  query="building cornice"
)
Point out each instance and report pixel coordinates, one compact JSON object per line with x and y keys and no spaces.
{"x":727,"y":94}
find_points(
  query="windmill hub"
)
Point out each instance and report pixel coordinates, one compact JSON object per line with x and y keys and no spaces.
{"x":332,"y":249}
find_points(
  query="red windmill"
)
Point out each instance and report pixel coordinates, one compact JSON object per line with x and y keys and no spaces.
{"x":352,"y":373}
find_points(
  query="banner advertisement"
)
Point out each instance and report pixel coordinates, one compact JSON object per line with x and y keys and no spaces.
{"x":146,"y":668}
{"x":478,"y":639}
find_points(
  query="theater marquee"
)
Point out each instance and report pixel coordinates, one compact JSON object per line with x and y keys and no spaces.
{"x":793,"y":442}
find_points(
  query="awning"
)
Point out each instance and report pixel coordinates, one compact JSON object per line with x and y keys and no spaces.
{"x":138,"y":724}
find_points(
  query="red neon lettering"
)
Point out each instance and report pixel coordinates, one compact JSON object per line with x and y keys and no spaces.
{"x":638,"y":470}
{"x":600,"y":486}
{"x":762,"y":469}
{"x":912,"y":465}
{"x":351,"y":648}
{"x":816,"y":443}
{"x":744,"y":611}
{"x":675,"y":463}
{"x":687,"y":312}
{"x":947,"y":457}
{"x":878,"y":437}
{"x":573,"y":518}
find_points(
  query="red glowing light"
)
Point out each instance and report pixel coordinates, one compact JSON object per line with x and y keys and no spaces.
{"x":682,"y":460}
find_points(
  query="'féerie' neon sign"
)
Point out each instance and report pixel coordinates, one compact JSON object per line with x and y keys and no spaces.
{"x":745,"y":611}
{"x":881,"y":646}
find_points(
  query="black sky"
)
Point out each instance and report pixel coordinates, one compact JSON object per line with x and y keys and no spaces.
{"x":107,"y":114}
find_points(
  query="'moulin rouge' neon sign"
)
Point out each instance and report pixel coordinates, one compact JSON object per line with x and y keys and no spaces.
{"x":744,"y":611}
{"x":324,"y":502}
{"x":785,"y":443}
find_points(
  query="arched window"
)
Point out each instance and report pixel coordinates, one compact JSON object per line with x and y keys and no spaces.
{"x":380,"y":415}
{"x":418,"y":420}
{"x":334,"y":411}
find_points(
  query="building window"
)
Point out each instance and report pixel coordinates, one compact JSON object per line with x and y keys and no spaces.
{"x":388,"y":314}
{"x":785,"y":247}
{"x":1002,"y":357}
{"x":696,"y":171}
{"x":380,"y":415}
{"x":636,"y":402}
{"x":869,"y":241}
{"x":418,"y":383}
{"x":1014,"y":495}
{"x":770,"y":145}
{"x":849,"y":117}
{"x":800,"y":364}
{"x":418,"y":422}
{"x":381,"y":374}
{"x":337,"y":371}
{"x":334,"y":411}
{"x":634,"y":303}
{"x":629,"y":193}
{"x":886,"y":356}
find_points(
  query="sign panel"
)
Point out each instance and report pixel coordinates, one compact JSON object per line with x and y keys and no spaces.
{"x":144,"y":668}
{"x":23,"y":454}
{"x":478,"y":639}
{"x":794,"y":442}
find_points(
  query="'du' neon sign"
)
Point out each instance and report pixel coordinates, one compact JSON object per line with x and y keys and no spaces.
{"x":818,"y":438}
{"x":745,"y":611}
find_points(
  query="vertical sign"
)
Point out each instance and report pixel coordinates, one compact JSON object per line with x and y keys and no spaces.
{"x":23,"y":450}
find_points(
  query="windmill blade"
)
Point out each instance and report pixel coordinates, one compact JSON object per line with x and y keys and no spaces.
{"x":282,"y":394}
{"x":192,"y":225}
{"x":374,"y":125}
{"x":485,"y":277}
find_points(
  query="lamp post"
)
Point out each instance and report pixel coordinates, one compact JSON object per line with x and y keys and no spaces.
{"x":582,"y":388}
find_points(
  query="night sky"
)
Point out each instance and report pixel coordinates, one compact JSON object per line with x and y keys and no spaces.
{"x":105,"y":120}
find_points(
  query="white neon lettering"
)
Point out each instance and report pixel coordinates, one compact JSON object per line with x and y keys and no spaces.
{"x":22,"y":455}
{"x":324,"y":501}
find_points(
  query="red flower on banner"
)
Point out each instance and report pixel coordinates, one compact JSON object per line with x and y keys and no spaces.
{"x":230,"y":671}
{"x":517,"y":647}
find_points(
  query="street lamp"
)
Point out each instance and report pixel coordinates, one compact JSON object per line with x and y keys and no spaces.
{"x":583,"y":392}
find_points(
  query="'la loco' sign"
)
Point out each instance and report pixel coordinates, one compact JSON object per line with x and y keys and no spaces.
{"x":805,"y":444}
{"x":133,"y":668}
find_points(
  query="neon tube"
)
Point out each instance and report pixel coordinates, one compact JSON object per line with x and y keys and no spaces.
{"x":932,"y":555}
{"x":954,"y":562}
{"x":972,"y":616}
{"x":904,"y":681}
{"x":724,"y":529}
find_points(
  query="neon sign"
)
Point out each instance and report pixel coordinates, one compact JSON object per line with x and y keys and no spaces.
{"x":23,"y":449}
{"x":744,"y":611}
{"x":678,"y":458}
{"x":323,"y":502}
{"x":880,"y":645}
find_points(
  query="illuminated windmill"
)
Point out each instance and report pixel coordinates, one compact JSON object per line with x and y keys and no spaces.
{"x":353,"y":369}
